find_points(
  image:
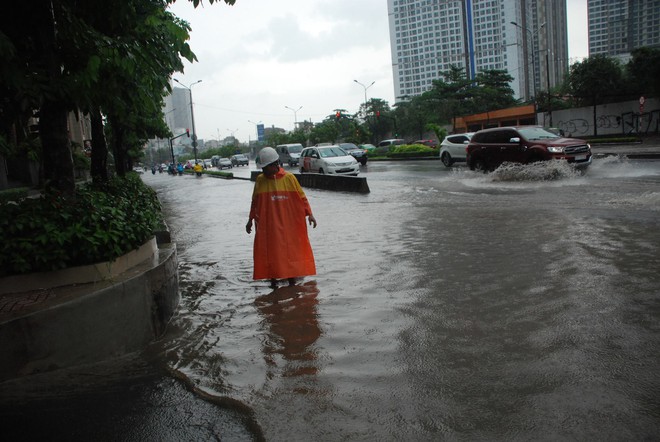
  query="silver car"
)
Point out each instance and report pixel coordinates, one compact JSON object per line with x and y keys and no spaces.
{"x":332,"y":160}
{"x":452,"y":148}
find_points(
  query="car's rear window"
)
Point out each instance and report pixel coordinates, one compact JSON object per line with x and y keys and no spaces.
{"x":458,"y":139}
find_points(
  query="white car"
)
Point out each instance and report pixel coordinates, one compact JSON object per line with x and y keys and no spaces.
{"x":332,"y":160}
{"x":452,"y":148}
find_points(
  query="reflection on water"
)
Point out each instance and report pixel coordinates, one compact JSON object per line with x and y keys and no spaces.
{"x":290,"y":315}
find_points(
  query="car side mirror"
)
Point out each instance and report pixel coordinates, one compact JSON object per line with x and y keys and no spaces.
{"x":514,"y":140}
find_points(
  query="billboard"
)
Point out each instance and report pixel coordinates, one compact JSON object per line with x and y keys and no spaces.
{"x":260,"y":132}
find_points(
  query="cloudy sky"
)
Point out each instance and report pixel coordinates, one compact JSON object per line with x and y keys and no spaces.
{"x":261,"y":60}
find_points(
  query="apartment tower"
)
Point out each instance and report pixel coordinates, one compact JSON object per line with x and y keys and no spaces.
{"x":527,"y":38}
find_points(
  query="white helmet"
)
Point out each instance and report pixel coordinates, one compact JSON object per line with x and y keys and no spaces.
{"x":266,"y":156}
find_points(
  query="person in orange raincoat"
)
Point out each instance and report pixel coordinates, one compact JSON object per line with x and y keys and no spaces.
{"x":279,"y":208}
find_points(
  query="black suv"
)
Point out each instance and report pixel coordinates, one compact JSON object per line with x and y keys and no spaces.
{"x":489,"y":148}
{"x":356,"y":152}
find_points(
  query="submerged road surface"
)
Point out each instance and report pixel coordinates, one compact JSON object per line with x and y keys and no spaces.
{"x":518,"y":305}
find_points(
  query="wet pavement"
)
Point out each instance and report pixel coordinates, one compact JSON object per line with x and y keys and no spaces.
{"x":448,"y":304}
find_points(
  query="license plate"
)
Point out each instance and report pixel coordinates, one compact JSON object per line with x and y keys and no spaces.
{"x":580,"y":157}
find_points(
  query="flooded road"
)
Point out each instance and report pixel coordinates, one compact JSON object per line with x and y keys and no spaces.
{"x":448,"y":305}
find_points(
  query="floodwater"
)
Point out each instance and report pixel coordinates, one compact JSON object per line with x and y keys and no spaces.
{"x":448,"y":305}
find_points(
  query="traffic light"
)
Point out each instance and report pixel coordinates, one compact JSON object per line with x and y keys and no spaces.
{"x":338,"y":115}
{"x":188,"y":132}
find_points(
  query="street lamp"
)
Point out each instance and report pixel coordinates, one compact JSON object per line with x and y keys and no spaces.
{"x":295,"y":115}
{"x":365,"y":94}
{"x":192,"y":116}
{"x":531,"y":38}
{"x":256,"y":128}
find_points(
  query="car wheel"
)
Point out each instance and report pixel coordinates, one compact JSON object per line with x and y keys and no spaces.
{"x":321,"y":171}
{"x":447,"y":159}
{"x":363,"y":161}
{"x":479,"y":165}
{"x":302,"y":170}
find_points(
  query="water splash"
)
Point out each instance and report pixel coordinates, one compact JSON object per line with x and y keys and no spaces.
{"x":541,"y":171}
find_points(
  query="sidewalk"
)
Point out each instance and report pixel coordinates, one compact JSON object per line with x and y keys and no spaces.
{"x":649,"y":148}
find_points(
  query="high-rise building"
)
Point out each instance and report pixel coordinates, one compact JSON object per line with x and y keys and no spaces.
{"x":527,"y":38}
{"x":616,"y":27}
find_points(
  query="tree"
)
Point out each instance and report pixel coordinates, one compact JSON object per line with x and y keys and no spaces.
{"x":452,"y":93}
{"x":326,"y":131}
{"x":643,"y":71}
{"x":596,"y":80}
{"x":493,"y":91}
{"x":377,"y":122}
{"x":110,"y":58}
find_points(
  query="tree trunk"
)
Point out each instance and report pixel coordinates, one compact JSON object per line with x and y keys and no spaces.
{"x":99,"y":149}
{"x":56,"y":147}
{"x":58,"y":162}
{"x":118,"y":148}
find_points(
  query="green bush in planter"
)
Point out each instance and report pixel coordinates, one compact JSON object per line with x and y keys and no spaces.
{"x":100,"y":224}
{"x":412,"y":151}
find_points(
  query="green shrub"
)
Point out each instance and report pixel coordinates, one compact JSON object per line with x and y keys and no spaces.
{"x":412,"y":151}
{"x":14,"y":194}
{"x":53,"y":232}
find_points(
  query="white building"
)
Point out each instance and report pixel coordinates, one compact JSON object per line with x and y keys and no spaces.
{"x":616,"y":27}
{"x":428,"y":36}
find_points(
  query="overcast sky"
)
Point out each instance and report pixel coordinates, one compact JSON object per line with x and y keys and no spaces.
{"x":259,"y":57}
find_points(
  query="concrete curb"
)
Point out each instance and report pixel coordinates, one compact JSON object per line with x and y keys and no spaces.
{"x":78,"y":275}
{"x":92,"y":322}
{"x":327,"y":182}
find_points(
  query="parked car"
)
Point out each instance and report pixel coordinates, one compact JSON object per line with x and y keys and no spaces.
{"x":452,"y":148}
{"x":207,"y":163}
{"x":357,"y":152}
{"x":429,"y":143}
{"x":489,"y":148}
{"x":224,"y":163}
{"x":239,"y":160}
{"x":391,"y":142}
{"x":332,"y":160}
{"x":368,"y":147}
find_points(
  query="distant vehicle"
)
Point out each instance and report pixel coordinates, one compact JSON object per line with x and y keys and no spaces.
{"x":224,"y":163}
{"x":289,"y":153}
{"x":368,"y":147}
{"x":207,"y":163}
{"x":214,"y":160}
{"x":391,"y":142}
{"x":332,"y":160}
{"x":452,"y":148}
{"x":489,"y":148}
{"x":357,"y":152}
{"x":239,"y":160}
{"x":429,"y":143}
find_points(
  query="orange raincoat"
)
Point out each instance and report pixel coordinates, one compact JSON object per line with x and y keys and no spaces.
{"x":281,"y":246}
